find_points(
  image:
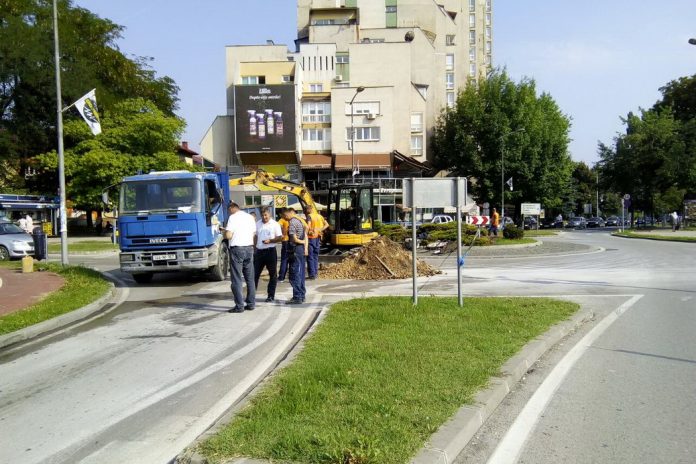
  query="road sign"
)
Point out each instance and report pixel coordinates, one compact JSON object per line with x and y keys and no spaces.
{"x":281,"y":201}
{"x":530,"y":209}
{"x":478,"y":220}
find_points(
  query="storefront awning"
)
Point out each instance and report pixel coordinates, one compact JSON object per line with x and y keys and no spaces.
{"x":364,"y":161}
{"x":316,"y":161}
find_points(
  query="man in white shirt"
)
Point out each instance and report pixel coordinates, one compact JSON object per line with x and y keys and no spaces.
{"x":268,"y":233}
{"x":240,"y":231}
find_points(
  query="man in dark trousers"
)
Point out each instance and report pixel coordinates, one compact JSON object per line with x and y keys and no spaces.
{"x":297,"y":238}
{"x":317,"y":225}
{"x":240,"y":231}
{"x":268,"y":233}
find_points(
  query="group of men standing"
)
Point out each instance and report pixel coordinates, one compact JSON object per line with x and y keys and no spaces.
{"x":252,"y":247}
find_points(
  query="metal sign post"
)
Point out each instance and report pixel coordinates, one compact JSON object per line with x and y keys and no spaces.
{"x":442,"y":192}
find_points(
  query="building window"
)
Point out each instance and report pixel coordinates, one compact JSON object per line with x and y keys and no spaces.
{"x":342,"y":59}
{"x":253,"y":80}
{"x":391,"y":9}
{"x":364,"y":134}
{"x":449,"y":40}
{"x":416,"y":145}
{"x":472,"y":37}
{"x":488,"y":46}
{"x":488,"y":33}
{"x":316,"y":112}
{"x":472,"y":69}
{"x":487,"y":59}
{"x":450,"y":99}
{"x":316,"y":88}
{"x":449,"y":81}
{"x":488,"y":19}
{"x":416,"y":122}
{"x":488,"y":5}
{"x":472,"y":20}
{"x":312,"y":135}
{"x":472,"y":5}
{"x":363,"y":107}
{"x":288,"y":78}
{"x":449,"y":62}
{"x":472,"y":53}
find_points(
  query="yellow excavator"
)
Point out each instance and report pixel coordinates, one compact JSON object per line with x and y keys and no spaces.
{"x":350,"y":212}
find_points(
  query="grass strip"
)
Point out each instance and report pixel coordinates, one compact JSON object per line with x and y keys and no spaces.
{"x":88,"y":246}
{"x":501,"y":241}
{"x":379,"y":376}
{"x":666,"y":238}
{"x":82,"y":286}
{"x":540,"y":233}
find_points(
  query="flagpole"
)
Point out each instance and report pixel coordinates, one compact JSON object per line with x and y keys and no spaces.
{"x":61,"y":157}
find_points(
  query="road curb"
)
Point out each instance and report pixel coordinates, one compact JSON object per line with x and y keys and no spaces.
{"x":445,"y":445}
{"x":108,"y":301}
{"x":666,"y":239}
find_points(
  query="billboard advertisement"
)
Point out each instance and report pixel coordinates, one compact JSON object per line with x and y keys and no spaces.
{"x":265,"y":118}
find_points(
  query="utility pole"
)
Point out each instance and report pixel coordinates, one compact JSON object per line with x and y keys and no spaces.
{"x":61,"y":155}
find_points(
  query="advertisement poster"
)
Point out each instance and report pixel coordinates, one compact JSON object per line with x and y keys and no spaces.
{"x":265,"y":118}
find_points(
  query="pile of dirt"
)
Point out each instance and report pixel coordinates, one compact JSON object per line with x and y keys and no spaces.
{"x":378,"y":260}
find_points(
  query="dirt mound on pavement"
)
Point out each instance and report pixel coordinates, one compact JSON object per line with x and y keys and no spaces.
{"x":378,"y":260}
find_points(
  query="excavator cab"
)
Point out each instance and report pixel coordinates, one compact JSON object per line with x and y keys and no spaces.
{"x":351,"y":214}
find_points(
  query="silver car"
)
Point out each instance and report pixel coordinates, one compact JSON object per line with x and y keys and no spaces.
{"x":14,"y":242}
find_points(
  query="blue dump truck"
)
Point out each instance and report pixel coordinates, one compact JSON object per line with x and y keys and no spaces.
{"x":170,"y":221}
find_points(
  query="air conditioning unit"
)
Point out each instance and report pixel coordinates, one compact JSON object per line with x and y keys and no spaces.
{"x":338,"y":78}
{"x":371,"y":115}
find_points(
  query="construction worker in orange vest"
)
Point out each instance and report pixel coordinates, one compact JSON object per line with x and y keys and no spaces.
{"x":317,"y":225}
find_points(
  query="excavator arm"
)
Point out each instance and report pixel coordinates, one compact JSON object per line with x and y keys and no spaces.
{"x":262,"y":178}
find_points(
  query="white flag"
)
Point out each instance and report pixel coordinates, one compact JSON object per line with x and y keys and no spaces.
{"x":87,"y":106}
{"x":509,"y":182}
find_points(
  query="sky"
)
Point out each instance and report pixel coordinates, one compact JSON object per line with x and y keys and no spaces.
{"x":598,"y":59}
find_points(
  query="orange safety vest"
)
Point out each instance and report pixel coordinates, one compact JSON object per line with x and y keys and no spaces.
{"x":316,"y":223}
{"x":284,"y":226}
{"x":495,"y":221}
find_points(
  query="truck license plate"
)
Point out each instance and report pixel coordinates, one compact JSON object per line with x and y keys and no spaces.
{"x":164,"y":257}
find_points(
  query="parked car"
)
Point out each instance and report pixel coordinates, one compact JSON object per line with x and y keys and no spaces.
{"x":577,"y":223}
{"x":14,"y":242}
{"x":595,"y":222}
{"x":441,"y":219}
{"x":613,"y":221}
{"x":529,"y":223}
{"x":552,"y":223}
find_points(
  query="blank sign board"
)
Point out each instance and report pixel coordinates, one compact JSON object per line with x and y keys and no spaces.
{"x":439,"y":192}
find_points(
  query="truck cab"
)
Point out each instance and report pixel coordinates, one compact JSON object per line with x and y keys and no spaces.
{"x":170,"y":221}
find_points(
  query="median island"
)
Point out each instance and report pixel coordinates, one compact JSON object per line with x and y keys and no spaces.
{"x":379,"y":376}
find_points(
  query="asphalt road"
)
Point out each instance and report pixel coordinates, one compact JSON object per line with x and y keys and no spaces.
{"x":623,"y":388}
{"x":140,"y":383}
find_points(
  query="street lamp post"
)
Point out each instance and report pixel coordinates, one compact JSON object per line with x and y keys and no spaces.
{"x":352,"y":132}
{"x":502,"y":171}
{"x":59,"y":129}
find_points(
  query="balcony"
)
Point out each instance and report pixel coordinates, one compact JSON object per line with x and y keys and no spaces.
{"x":316,"y":118}
{"x":316,"y":145}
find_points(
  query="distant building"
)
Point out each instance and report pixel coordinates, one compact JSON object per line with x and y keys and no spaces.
{"x":191,"y":157}
{"x":400,"y":62}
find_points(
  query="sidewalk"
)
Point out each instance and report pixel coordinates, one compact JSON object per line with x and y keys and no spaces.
{"x":18,"y":290}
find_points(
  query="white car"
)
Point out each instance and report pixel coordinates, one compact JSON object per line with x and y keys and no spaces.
{"x":441,"y":219}
{"x":14,"y":242}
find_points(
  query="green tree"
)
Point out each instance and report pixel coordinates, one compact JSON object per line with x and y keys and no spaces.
{"x":645,"y":161}
{"x":585,"y":186}
{"x":137,"y":136}
{"x":496,"y":117}
{"x":89,"y":59}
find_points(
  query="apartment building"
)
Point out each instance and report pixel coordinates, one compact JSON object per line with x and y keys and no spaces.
{"x":368,"y":78}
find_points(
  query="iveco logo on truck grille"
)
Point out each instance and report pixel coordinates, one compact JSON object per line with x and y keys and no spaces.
{"x":158,"y":240}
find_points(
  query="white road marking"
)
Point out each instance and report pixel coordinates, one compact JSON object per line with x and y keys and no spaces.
{"x":687,"y":298}
{"x":510,"y":447}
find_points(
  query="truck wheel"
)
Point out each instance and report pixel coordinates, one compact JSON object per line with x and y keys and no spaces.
{"x":143,"y":278}
{"x":218,"y":272}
